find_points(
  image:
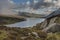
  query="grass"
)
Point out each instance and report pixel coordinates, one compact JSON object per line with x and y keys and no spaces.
{"x":53,"y":36}
{"x":15,"y":33}
{"x":3,"y":34}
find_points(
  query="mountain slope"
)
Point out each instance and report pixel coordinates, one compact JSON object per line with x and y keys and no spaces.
{"x":52,"y":22}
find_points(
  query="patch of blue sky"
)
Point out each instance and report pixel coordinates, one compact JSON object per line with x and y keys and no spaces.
{"x":21,"y":1}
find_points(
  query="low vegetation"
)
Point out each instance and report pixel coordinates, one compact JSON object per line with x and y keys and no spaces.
{"x":3,"y":34}
{"x":9,"y":20}
{"x":16,"y":33}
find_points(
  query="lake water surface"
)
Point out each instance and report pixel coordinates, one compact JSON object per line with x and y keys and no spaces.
{"x":30,"y":22}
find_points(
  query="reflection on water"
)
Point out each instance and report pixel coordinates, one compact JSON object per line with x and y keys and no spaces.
{"x":28,"y":23}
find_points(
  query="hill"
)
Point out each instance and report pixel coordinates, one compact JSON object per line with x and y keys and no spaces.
{"x":10,"y":19}
{"x":47,"y":30}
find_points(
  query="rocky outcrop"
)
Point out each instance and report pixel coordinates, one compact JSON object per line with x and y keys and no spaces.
{"x":52,"y":22}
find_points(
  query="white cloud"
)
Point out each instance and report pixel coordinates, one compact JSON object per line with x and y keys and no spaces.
{"x":49,"y":1}
{"x":11,"y":1}
{"x":28,"y":2}
{"x":35,"y":1}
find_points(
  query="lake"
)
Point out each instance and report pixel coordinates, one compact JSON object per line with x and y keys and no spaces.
{"x":30,"y":22}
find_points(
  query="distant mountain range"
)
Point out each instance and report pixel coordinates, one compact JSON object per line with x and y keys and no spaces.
{"x":26,"y":14}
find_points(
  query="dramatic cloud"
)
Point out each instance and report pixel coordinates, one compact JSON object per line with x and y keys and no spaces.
{"x":7,"y":5}
{"x":55,"y":2}
{"x":41,"y":6}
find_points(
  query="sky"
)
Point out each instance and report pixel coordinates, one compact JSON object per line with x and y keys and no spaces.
{"x":6,"y":5}
{"x":25,"y":1}
{"x":22,"y":1}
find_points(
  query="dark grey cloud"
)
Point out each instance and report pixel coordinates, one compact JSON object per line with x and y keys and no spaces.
{"x":46,"y":3}
{"x":42,"y":3}
{"x":36,"y":4}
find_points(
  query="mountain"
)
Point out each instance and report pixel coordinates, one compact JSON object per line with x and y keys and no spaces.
{"x":47,"y":30}
{"x":26,"y":14}
{"x":52,"y":22}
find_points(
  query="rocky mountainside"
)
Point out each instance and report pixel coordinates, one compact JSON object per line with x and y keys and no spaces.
{"x":52,"y":22}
